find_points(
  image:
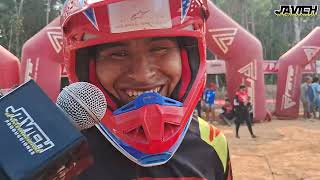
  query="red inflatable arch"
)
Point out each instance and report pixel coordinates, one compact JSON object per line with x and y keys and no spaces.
{"x":289,"y":74}
{"x":243,"y":55}
{"x":9,"y":69}
{"x":42,"y":58}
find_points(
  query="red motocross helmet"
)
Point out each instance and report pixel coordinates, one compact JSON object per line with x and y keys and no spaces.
{"x":147,"y":132}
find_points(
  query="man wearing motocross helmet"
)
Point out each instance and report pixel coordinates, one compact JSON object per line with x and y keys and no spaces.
{"x":148,"y":57}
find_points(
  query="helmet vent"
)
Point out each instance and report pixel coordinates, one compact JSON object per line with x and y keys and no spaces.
{"x":170,"y":130}
{"x":137,"y":134}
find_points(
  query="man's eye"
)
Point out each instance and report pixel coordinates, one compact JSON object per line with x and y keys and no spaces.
{"x":159,"y":50}
{"x":119,"y":54}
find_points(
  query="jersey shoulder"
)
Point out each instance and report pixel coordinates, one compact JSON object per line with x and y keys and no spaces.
{"x":214,"y":138}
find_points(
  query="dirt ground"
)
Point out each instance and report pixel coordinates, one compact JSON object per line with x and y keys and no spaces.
{"x":283,"y":150}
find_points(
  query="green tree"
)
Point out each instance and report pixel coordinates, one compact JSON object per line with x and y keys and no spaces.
{"x":21,"y":19}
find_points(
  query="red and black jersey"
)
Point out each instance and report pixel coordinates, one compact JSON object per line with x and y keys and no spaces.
{"x":242,"y":97}
{"x":202,"y":155}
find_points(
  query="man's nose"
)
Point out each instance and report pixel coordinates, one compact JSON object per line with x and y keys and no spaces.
{"x":142,"y":68}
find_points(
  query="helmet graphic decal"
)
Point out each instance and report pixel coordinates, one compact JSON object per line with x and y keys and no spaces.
{"x":189,"y":5}
{"x":126,"y":16}
{"x":185,"y":5}
{"x":89,"y":13}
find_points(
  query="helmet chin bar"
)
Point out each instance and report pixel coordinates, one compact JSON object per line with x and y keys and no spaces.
{"x":138,"y":157}
{"x":144,"y":159}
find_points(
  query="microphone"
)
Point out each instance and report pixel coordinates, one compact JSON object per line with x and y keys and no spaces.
{"x":84,"y":103}
{"x":39,"y":141}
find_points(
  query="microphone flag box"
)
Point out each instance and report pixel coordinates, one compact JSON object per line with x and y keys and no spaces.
{"x":38,"y":140}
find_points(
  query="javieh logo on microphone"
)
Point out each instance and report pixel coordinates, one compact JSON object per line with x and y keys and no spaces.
{"x":28,"y":132}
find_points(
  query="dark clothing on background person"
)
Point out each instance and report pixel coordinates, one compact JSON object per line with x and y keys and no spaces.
{"x":242,"y":112}
{"x":210,"y":160}
{"x":304,"y":97}
{"x":250,"y":109}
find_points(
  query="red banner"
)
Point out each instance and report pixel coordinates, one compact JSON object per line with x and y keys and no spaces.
{"x":269,"y":67}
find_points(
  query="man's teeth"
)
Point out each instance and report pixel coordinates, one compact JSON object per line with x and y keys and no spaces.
{"x":135,"y":93}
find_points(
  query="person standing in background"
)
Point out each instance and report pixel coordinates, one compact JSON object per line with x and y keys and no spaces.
{"x":209,"y":96}
{"x":241,"y":101}
{"x":304,"y":97}
{"x":312,"y":94}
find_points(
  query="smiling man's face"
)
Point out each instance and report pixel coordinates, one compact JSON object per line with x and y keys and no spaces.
{"x":129,"y":68}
